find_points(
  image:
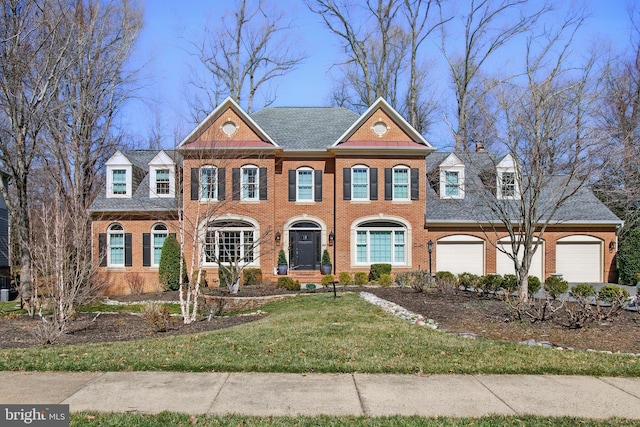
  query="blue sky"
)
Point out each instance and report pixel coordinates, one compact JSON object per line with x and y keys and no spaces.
{"x":169,"y":26}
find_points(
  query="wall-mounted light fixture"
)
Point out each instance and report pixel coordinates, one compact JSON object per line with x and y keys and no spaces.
{"x":278,"y":237}
{"x":332,"y":237}
{"x":612,"y":245}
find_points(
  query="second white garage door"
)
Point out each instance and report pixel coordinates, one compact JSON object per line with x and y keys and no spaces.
{"x":460,"y":254}
{"x":579,"y":259}
{"x":504,"y":264}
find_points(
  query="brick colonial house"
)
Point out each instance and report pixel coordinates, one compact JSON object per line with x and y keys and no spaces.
{"x":309,"y":179}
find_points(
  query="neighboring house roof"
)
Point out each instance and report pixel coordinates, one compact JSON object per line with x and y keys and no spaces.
{"x":139,"y":200}
{"x":583,"y":207}
{"x":305,"y":128}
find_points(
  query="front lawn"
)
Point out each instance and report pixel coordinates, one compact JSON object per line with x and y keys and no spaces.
{"x":317,"y":333}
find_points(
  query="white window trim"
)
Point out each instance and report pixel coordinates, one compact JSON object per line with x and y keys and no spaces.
{"x":214,"y":184}
{"x":153,"y":170}
{"x":112,"y":231}
{"x":393,"y":183}
{"x":499,"y":175}
{"x":402,"y":224}
{"x":368,"y":192}
{"x":243,"y":183}
{"x":443,"y":182}
{"x":312,"y":198}
{"x":207,"y":226}
{"x":128,"y":179}
{"x":155,"y":231}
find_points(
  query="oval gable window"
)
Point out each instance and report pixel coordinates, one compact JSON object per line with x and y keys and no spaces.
{"x":379,"y":128}
{"x":229,"y":128}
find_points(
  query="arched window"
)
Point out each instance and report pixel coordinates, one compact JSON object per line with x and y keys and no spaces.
{"x":381,"y":242}
{"x":249,"y":182}
{"x":208,"y":183}
{"x":304,"y":185}
{"x":159,"y":233}
{"x":401,"y":183}
{"x":229,"y":242}
{"x":115,"y":252}
{"x":360,"y":182}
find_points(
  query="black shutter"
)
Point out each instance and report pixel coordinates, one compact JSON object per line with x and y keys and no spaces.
{"x":222,"y":187}
{"x":373,"y":184}
{"x":346,"y":184}
{"x":235,"y":183}
{"x":388,"y":184}
{"x":102,"y":249}
{"x":292,"y":185}
{"x":318,"y":185}
{"x":415,"y":184}
{"x":263,"y":183}
{"x":127,"y":250}
{"x":146,"y":250}
{"x":195,"y":183}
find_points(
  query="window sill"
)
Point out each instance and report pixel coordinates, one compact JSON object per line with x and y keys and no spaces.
{"x":360,"y":202}
{"x":305,"y":202}
{"x":249,"y":202}
{"x":116,"y":268}
{"x":402,"y":202}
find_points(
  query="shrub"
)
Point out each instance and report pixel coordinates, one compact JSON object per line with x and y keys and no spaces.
{"x":282,"y":258}
{"x":288,"y":283}
{"x":629,"y":257}
{"x":403,"y":279}
{"x":203,"y":278}
{"x":360,"y":278}
{"x":251,"y":276}
{"x":377,"y":270}
{"x":468,"y":280}
{"x":555,"y":286}
{"x":327,"y":279}
{"x":582,"y":291}
{"x":419,"y":280}
{"x":613,"y":294}
{"x":534,"y":285}
{"x":490,"y":282}
{"x":156,"y":316}
{"x":169,"y":267}
{"x":224,"y":276}
{"x":509,"y":282}
{"x":326,"y":258}
{"x":385,"y":280}
{"x":445,"y":275}
{"x":446,"y":282}
{"x":345,"y":278}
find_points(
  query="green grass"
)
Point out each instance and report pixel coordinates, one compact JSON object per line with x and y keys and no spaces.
{"x":316,"y":333}
{"x":168,"y":418}
{"x":121,"y":308}
{"x":11,"y":307}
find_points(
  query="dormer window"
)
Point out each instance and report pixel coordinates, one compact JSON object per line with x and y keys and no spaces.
{"x":119,"y":176}
{"x":507,"y":179}
{"x":162,"y":176}
{"x":452,"y":178}
{"x":119,"y":182}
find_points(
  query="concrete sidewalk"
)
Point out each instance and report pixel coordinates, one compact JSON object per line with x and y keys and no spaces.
{"x":330,"y":394}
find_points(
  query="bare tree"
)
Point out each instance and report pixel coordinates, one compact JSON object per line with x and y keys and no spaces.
{"x":33,"y":57}
{"x":548,"y":139}
{"x":241,"y":56}
{"x":487,"y":26}
{"x":80,"y":137}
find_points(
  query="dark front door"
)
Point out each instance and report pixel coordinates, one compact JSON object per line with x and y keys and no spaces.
{"x":305,"y":249}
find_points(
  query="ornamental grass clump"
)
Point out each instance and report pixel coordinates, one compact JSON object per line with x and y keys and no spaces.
{"x":360,"y":278}
{"x":345,"y":278}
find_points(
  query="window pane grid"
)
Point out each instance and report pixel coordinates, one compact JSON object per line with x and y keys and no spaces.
{"x":401,"y":183}
{"x":119,"y":181}
{"x":305,"y":185}
{"x":387,"y":246}
{"x":116,"y":248}
{"x":162,"y":181}
{"x":249,"y":183}
{"x":208,"y":187}
{"x":158,"y":241}
{"x":451,"y":183}
{"x":360,"y":183}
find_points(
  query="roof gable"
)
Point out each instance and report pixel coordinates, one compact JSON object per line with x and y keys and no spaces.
{"x":381,"y":127}
{"x":161,"y":159}
{"x":451,"y":161}
{"x":118,"y":159}
{"x":228,"y":126}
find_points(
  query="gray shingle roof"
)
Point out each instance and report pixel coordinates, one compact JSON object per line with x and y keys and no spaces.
{"x":140,"y":200}
{"x":305,"y":128}
{"x":581,"y":207}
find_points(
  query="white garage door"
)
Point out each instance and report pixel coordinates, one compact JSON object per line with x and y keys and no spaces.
{"x":579,"y":259}
{"x":504,"y":264}
{"x":460,"y":254}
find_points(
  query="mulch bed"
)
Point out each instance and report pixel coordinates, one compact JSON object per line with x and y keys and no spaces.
{"x":463,"y":312}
